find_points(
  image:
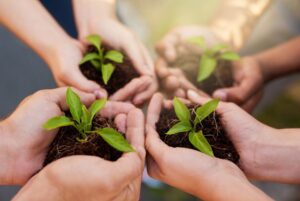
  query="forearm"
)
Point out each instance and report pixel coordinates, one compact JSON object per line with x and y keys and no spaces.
{"x":281,"y":60}
{"x":39,"y":188}
{"x":235,"y":190}
{"x":277,"y":157}
{"x":89,"y":13}
{"x":30,"y":21}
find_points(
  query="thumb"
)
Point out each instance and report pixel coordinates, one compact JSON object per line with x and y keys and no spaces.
{"x":77,"y":80}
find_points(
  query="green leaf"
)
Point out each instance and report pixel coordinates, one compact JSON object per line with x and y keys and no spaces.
{"x":198,"y":40}
{"x":231,"y":56}
{"x":199,"y":141}
{"x":181,"y":110}
{"x":219,"y":47}
{"x":89,"y":57}
{"x":57,"y":122}
{"x":74,"y":104}
{"x":95,"y":40}
{"x":107,"y":71}
{"x":115,"y":56}
{"x":206,"y":67}
{"x":96,"y":64}
{"x":180,"y":128}
{"x":85,"y":118}
{"x":96,"y":107}
{"x":205,"y":110}
{"x":115,"y":139}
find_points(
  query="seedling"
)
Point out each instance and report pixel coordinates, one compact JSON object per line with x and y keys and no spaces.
{"x":81,"y":119}
{"x":101,"y":60}
{"x":210,"y":57}
{"x":186,"y":124}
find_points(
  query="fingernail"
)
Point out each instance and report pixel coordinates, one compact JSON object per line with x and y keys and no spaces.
{"x":100,"y":94}
{"x":192,"y":93}
{"x":221,"y":95}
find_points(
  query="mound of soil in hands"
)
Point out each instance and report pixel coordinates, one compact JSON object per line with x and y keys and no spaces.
{"x":122,"y":75}
{"x":65,"y":143}
{"x":188,"y":62}
{"x":212,"y":130}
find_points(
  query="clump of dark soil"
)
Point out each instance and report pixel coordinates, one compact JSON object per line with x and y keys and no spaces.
{"x":188,"y":62}
{"x":122,"y":75}
{"x":212,"y":130}
{"x":66,"y":144}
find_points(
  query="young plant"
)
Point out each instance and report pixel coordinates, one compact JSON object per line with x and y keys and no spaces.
{"x":101,"y":60}
{"x":186,"y":124}
{"x":210,"y":57}
{"x":81,"y":119}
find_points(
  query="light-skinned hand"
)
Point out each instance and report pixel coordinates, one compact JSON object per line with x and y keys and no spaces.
{"x":191,"y":171}
{"x":91,"y":178}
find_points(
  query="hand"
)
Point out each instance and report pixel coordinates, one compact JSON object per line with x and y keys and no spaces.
{"x":248,"y":83}
{"x":191,"y":171}
{"x":173,"y":80}
{"x":174,"y":44}
{"x":25,"y":142}
{"x":64,"y":63}
{"x":91,"y":178}
{"x":98,"y":17}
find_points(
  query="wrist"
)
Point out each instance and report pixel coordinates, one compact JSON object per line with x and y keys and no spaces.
{"x":39,"y":187}
{"x":90,"y":14}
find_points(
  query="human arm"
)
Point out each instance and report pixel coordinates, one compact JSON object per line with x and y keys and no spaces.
{"x":92,"y":178}
{"x":191,"y":171}
{"x":31,"y":22}
{"x":99,"y":17}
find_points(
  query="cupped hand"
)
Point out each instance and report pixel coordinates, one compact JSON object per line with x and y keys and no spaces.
{"x":191,"y":171}
{"x":91,"y":178}
{"x":248,"y":84}
{"x":173,"y":80}
{"x":118,"y":36}
{"x":64,"y":64}
{"x":98,"y":17}
{"x":246,"y":133}
{"x":26,"y":140}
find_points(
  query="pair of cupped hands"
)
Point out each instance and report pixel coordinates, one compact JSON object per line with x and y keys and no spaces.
{"x":25,"y":144}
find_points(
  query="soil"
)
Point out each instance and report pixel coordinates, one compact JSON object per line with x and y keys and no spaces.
{"x":122,"y":75}
{"x":188,"y":62}
{"x":212,"y":130}
{"x":65,"y":143}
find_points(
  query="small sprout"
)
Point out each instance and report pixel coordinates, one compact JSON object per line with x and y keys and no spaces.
{"x":101,"y":60}
{"x":81,"y":119}
{"x":186,"y":124}
{"x":211,"y":56}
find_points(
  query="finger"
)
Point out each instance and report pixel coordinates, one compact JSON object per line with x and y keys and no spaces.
{"x":120,"y":121}
{"x":58,"y":96}
{"x":146,"y":95}
{"x":77,"y":80}
{"x":237,"y":94}
{"x":136,"y":55}
{"x":161,"y":68}
{"x":154,"y":146}
{"x":135,"y":129}
{"x":154,"y":109}
{"x":131,"y":88}
{"x":148,"y":58}
{"x":250,"y":105}
{"x":112,"y":109}
{"x":171,"y":83}
{"x":180,"y":93}
{"x":167,"y":47}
